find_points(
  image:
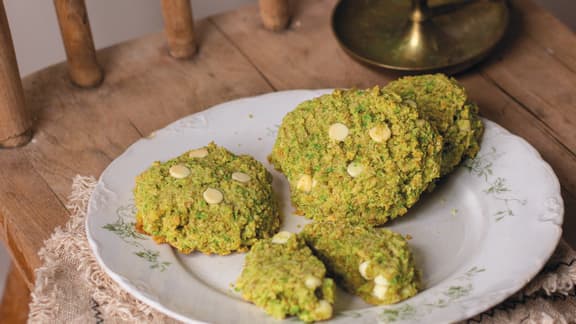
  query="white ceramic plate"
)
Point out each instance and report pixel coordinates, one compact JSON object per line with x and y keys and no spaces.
{"x":479,"y":237}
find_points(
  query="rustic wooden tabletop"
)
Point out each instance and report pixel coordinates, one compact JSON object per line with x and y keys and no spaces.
{"x":527,"y":86}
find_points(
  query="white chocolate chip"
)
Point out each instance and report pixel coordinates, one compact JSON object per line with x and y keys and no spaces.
{"x":213,"y":196}
{"x":464,"y":125}
{"x":362,"y":268}
{"x":198,"y":153}
{"x":240,"y":177}
{"x":380,"y":280}
{"x":312,"y":282}
{"x":338,"y":132}
{"x":410,"y":103}
{"x":379,"y":291}
{"x":304,"y":183}
{"x":380,"y":133}
{"x":354,"y":169}
{"x":323,"y":310}
{"x":281,"y":237}
{"x":405,"y":291}
{"x":179,"y":171}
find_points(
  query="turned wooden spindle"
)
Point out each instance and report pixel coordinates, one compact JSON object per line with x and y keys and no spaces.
{"x":275,"y":14}
{"x":15,"y":121}
{"x":179,"y":28}
{"x":83,"y":67}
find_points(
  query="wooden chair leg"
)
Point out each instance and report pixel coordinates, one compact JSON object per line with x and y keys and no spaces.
{"x":83,"y":67}
{"x":179,"y":28}
{"x":14,"y":305}
{"x":15,"y":121}
{"x":275,"y":14}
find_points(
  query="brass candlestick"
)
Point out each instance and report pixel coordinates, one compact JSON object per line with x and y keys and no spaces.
{"x":422,"y":36}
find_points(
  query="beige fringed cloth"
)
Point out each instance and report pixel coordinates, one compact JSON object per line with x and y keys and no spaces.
{"x":72,"y":288}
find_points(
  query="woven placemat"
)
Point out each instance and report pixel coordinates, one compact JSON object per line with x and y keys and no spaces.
{"x":72,"y":288}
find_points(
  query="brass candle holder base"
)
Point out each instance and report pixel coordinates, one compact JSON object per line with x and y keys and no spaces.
{"x":441,"y":37}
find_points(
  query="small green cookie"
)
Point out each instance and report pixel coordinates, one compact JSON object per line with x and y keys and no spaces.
{"x":282,"y":276}
{"x":358,"y":155}
{"x":445,"y":104}
{"x":375,"y":264}
{"x":207,"y":200}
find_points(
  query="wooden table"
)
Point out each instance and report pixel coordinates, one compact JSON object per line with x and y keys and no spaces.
{"x":529,"y":87}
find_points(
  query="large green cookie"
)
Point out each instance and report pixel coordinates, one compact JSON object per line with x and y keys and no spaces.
{"x":359,"y":155}
{"x":207,"y":200}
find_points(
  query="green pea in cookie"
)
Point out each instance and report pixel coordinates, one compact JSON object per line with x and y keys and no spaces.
{"x":207,"y":200}
{"x":375,"y":264}
{"x":282,"y":276}
{"x":445,"y":104}
{"x":359,"y":155}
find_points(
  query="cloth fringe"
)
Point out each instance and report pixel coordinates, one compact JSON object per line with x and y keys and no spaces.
{"x":67,"y":255}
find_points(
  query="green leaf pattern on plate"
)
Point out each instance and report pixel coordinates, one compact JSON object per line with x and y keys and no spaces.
{"x":272,"y":131}
{"x":498,"y":188}
{"x":124,"y":228}
{"x":408,"y":311}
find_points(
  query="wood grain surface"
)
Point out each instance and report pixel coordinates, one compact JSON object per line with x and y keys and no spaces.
{"x":527,"y":87}
{"x":14,"y":303}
